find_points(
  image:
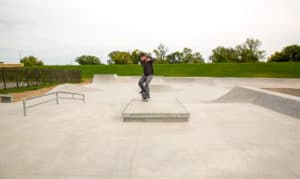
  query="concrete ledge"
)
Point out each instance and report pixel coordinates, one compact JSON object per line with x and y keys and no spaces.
{"x":155,"y":110}
{"x":4,"y":98}
{"x":282,"y":103}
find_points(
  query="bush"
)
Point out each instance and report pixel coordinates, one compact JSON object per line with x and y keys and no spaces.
{"x":31,"y":61}
{"x":119,"y":57}
{"x":88,"y":60}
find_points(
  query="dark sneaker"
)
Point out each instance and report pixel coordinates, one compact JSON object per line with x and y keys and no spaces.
{"x":145,"y":99}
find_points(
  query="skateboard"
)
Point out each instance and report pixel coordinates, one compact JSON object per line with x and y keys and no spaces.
{"x":144,"y":99}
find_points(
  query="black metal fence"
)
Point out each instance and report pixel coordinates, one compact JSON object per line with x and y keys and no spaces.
{"x":26,"y":77}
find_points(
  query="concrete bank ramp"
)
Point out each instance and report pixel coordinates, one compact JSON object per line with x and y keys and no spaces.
{"x":101,"y":79}
{"x":204,"y":81}
{"x":228,"y":82}
{"x":282,"y":103}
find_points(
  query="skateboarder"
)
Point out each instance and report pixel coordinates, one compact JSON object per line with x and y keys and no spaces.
{"x":146,"y":62}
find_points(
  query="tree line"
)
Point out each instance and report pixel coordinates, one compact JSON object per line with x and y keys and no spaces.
{"x":160,"y":55}
{"x":247,"y":52}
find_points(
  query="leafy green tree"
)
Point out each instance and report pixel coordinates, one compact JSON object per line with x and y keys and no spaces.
{"x":186,"y":56}
{"x":88,"y":60}
{"x":249,"y":51}
{"x":197,"y":58}
{"x":244,"y":53}
{"x":118,"y":57}
{"x":189,"y":57}
{"x":278,"y":57}
{"x":292,"y":53}
{"x":288,"y":54}
{"x":161,"y":53}
{"x":31,"y":61}
{"x":223,"y":55}
{"x":175,"y":57}
{"x":135,"y":56}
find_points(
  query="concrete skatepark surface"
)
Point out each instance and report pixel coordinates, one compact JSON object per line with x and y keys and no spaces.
{"x":222,"y":139}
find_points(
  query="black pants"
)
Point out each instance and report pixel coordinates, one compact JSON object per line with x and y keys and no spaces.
{"x":145,"y":79}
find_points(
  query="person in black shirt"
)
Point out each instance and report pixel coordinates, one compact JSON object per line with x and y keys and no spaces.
{"x":147,"y":63}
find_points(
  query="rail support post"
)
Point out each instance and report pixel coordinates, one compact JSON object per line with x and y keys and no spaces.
{"x":57,"y":98}
{"x":24,"y":107}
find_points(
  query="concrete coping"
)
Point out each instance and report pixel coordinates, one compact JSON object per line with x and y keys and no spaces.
{"x":296,"y":98}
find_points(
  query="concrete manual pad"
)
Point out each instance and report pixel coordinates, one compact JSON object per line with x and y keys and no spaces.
{"x":165,"y":109}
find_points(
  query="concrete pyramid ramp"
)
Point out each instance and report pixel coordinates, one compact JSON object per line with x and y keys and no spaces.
{"x":282,"y":103}
{"x":164,"y":109}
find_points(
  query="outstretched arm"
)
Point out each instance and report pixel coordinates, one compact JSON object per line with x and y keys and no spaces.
{"x":150,"y":59}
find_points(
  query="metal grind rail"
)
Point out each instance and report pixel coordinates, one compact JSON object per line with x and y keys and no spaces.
{"x":75,"y":96}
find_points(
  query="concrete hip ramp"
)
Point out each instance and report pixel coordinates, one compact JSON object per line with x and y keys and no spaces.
{"x":282,"y":103}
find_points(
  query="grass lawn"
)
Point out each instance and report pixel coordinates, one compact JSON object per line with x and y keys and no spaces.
{"x":251,"y":70}
{"x":269,"y":70}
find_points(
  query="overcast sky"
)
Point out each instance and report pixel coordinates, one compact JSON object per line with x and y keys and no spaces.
{"x":57,"y":31}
